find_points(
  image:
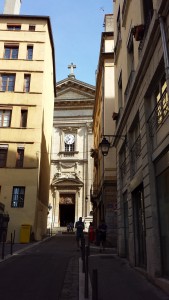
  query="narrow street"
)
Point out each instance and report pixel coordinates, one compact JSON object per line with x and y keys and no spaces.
{"x":39,"y":272}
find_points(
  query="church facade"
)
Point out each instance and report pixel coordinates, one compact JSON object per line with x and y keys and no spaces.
{"x":71,"y":163}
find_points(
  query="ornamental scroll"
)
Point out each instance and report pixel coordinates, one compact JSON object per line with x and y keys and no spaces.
{"x":67,"y":200}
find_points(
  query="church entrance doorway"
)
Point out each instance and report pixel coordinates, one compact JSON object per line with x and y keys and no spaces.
{"x":66,"y":209}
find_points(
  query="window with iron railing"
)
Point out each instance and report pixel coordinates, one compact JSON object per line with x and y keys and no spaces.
{"x":161,"y":109}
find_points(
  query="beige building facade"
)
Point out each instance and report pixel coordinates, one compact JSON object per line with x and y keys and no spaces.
{"x":103,"y":192}
{"x":71,"y":164}
{"x":142,"y":116}
{"x":27,"y":91}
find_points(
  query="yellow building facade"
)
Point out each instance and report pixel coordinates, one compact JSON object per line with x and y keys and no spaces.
{"x":27,"y":91}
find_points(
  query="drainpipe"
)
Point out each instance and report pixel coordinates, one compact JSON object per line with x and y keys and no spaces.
{"x":165,"y":48}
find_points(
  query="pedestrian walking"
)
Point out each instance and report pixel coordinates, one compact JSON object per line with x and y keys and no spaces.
{"x":79,"y":232}
{"x":102,"y":231}
{"x":91,"y":235}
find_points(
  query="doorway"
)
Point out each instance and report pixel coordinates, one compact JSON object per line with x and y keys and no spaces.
{"x":66,"y":209}
{"x":67,"y":214}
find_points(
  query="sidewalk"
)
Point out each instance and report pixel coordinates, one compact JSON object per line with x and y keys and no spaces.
{"x":118,"y":281}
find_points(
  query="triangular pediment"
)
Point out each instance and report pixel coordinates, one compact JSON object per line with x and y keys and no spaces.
{"x":69,"y":86}
{"x":71,"y":93}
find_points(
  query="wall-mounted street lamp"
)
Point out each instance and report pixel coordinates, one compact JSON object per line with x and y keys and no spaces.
{"x":105,"y":145}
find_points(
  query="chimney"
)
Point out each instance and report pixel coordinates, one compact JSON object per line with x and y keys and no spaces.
{"x":12,"y":7}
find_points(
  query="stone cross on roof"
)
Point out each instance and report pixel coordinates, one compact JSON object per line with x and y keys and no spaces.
{"x":71,"y":67}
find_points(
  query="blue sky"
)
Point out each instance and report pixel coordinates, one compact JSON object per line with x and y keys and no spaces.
{"x":76,"y":27}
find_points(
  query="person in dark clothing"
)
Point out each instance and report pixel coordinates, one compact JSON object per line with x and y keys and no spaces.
{"x":79,"y":231}
{"x":102,"y":231}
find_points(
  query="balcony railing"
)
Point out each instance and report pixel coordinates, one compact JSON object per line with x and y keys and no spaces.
{"x":159,"y":113}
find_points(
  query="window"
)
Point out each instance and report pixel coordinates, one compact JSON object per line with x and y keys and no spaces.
{"x":20,"y":157}
{"x":18,"y":195}
{"x":11,"y":51}
{"x":135,"y":146}
{"x":161,"y":99}
{"x":27,"y":78}
{"x":29,"y":55}
{"x":13,"y":27}
{"x":5,"y":118}
{"x":69,"y":148}
{"x":3,"y":155}
{"x":32,"y":27}
{"x":7,"y":82}
{"x":24,"y":115}
{"x":120,"y":94}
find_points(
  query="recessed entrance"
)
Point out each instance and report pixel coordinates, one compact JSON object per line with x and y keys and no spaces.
{"x":67,"y":214}
{"x":66,"y":209}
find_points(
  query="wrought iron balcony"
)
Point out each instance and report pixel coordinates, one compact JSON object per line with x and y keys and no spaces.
{"x":159,"y":113}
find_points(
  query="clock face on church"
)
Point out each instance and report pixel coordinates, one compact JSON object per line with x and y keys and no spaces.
{"x":69,"y":139}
